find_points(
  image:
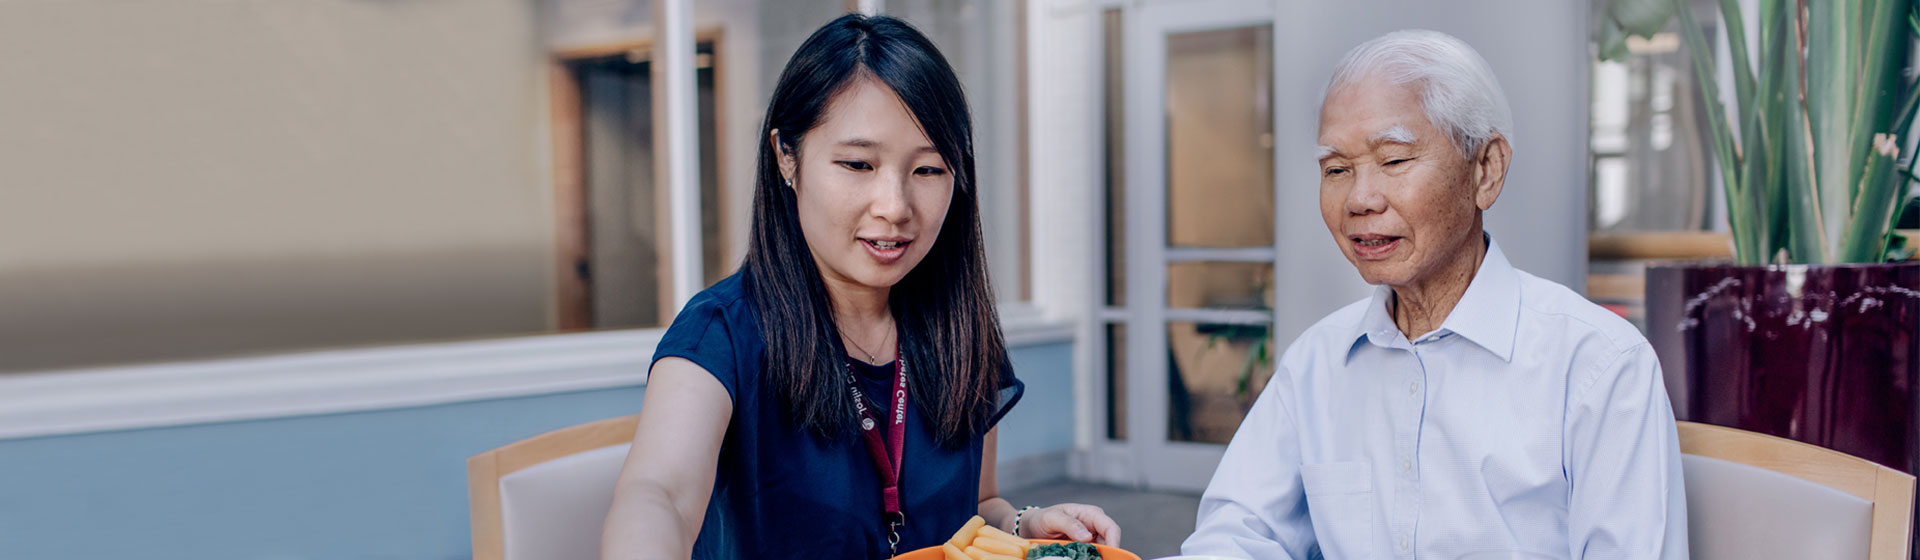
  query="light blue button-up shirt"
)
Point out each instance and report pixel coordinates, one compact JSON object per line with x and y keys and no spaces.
{"x":1531,"y":420}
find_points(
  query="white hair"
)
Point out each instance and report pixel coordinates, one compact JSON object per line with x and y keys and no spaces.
{"x":1458,"y":91}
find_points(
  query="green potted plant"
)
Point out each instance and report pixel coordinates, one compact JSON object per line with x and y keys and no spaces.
{"x":1810,"y":332}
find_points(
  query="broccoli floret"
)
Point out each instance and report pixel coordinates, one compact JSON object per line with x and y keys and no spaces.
{"x":1070,"y":551}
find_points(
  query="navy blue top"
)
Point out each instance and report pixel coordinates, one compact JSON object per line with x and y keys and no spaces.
{"x":781,"y":491}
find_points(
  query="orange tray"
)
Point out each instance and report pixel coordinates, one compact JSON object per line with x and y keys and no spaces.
{"x":1106,"y":552}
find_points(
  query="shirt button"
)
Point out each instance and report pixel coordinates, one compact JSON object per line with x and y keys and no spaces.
{"x":1403,"y":542}
{"x":1413,"y":388}
{"x":1406,"y":465}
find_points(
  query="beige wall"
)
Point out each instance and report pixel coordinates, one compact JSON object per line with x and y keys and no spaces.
{"x":195,"y":178}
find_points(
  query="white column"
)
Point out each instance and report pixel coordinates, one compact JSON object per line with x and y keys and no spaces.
{"x":676,"y":141}
{"x":871,"y":7}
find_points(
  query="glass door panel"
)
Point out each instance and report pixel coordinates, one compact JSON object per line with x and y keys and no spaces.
{"x":1200,"y":231}
{"x":1220,"y":138}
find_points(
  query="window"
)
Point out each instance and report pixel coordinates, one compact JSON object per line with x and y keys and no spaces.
{"x":985,"y":41}
{"x":614,"y":267}
{"x":624,"y":265}
{"x":1654,"y":183}
{"x":1650,"y":163}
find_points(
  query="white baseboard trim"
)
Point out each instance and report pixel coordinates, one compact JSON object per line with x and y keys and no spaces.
{"x":325,"y":382}
{"x":1105,"y":463}
{"x":1032,"y":470}
{"x":356,"y":380}
{"x":1024,"y":324}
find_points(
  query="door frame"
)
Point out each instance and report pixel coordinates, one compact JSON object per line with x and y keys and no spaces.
{"x":1146,"y":458}
{"x":573,"y":244}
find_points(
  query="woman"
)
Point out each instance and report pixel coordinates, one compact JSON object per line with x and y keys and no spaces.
{"x":858,"y":340}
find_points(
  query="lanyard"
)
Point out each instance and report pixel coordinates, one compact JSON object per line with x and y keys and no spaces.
{"x":886,"y":454}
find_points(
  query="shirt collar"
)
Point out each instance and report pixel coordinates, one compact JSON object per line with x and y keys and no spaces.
{"x":1376,"y":326}
{"x":1488,"y":313}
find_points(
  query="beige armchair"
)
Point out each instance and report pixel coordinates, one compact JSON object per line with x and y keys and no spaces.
{"x":546,"y":497}
{"x":1752,"y":495}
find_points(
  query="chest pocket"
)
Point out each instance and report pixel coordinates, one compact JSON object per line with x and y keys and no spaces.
{"x":1340,"y":505}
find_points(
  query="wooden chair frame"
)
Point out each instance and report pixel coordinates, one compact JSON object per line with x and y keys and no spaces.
{"x":1890,"y":491}
{"x":485,"y":470}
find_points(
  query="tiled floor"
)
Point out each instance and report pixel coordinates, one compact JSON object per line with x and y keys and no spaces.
{"x":1152,"y":524}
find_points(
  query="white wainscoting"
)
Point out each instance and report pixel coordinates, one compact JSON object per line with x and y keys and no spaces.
{"x":355,"y":380}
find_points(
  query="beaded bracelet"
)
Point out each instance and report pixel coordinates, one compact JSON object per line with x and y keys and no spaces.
{"x":1016,"y":518}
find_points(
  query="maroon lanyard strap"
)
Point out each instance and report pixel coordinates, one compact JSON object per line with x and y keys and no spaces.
{"x":886,"y":454}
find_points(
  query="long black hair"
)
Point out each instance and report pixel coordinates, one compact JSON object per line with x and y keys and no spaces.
{"x":944,"y":310}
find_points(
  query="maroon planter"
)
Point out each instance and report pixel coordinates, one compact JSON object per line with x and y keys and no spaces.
{"x":1820,"y":354}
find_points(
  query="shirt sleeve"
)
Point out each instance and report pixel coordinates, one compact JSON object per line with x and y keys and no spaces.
{"x":1255,"y":506}
{"x":700,"y":334}
{"x":1623,"y":463}
{"x":1011,"y":389}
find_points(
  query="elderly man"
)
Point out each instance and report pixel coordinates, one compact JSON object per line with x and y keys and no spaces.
{"x":1467,"y":406}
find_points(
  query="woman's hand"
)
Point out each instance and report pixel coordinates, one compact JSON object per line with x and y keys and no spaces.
{"x":1075,"y":522}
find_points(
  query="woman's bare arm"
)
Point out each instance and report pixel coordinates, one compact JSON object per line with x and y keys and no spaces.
{"x":661,"y":496}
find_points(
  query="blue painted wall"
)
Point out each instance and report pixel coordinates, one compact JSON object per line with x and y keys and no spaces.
{"x":1043,"y":421}
{"x":383,"y":484}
